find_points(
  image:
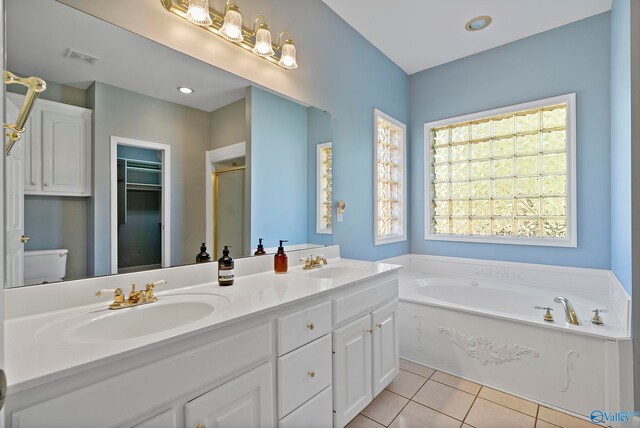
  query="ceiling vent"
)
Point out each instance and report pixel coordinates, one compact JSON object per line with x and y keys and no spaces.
{"x":81,"y":57}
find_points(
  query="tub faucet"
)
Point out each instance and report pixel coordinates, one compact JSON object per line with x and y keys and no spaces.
{"x":572,"y":317}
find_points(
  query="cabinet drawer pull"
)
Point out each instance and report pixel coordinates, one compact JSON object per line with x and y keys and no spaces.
{"x":379,"y":325}
{"x":369,"y":331}
{"x":201,"y":426}
{"x":310,"y":326}
{"x":311,"y":373}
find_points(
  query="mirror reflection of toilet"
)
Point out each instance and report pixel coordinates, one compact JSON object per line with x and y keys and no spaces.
{"x":45,"y":266}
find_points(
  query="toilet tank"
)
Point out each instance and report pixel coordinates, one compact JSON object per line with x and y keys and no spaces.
{"x":45,"y":266}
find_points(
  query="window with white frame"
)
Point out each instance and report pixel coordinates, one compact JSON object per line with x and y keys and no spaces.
{"x":390,"y":213}
{"x":324,"y":217}
{"x":504,"y":176}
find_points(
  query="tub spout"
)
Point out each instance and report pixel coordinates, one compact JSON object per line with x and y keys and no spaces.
{"x":572,"y":317}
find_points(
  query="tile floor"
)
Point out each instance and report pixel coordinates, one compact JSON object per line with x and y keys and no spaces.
{"x":421,"y":397}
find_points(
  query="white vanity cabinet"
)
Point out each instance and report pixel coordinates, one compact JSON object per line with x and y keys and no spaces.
{"x":57,"y":142}
{"x":365,"y":351}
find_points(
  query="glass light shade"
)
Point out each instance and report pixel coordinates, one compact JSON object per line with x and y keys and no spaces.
{"x":232,"y":26}
{"x":263,"y":42}
{"x":198,"y":12}
{"x":288,"y":57}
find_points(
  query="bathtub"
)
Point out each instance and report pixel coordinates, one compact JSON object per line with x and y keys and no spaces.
{"x":477,"y":319}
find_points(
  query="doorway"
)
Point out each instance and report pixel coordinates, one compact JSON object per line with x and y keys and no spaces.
{"x":140,"y":205}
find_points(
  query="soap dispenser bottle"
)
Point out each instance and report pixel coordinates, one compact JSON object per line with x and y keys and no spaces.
{"x":260,"y":251}
{"x":280,"y":263}
{"x":225,"y":268}
{"x":203,"y":256}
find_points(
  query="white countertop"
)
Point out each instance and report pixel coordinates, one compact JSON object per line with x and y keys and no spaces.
{"x":32,"y":359}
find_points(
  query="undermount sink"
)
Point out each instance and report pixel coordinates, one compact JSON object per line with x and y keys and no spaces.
{"x":104,"y":325}
{"x":334,"y":272}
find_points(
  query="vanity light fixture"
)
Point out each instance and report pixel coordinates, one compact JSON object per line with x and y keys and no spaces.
{"x":232,"y":26}
{"x":263,"y":45}
{"x":478,"y":23}
{"x":228,"y":25}
{"x":185,"y":90}
{"x":288,"y":56}
{"x":198,"y":12}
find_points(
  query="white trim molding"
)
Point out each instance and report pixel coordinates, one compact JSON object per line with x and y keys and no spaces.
{"x":571,"y":239}
{"x":402,"y":180}
{"x":165,"y":149}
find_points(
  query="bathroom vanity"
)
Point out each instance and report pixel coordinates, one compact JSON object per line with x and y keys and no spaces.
{"x":308,"y":348}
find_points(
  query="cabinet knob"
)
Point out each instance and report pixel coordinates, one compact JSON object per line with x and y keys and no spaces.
{"x":369,"y":331}
{"x":33,"y":183}
{"x":310,"y":326}
{"x":311,"y":373}
{"x":379,"y":325}
{"x":201,"y":426}
{"x":24,"y":239}
{"x":46,"y":184}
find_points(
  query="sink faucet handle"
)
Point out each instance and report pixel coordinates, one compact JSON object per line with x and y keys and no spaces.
{"x":601,"y":311}
{"x":596,"y":319}
{"x":546,"y":308}
{"x":158,"y":283}
{"x":106,"y":291}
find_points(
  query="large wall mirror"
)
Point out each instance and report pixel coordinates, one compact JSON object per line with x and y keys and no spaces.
{"x":121,"y":169}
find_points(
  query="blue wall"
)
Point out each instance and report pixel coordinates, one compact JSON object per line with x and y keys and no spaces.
{"x":278,"y":162}
{"x":621,"y":141}
{"x":572,"y":58}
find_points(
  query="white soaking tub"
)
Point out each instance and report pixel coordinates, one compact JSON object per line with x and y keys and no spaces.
{"x":477,"y":319}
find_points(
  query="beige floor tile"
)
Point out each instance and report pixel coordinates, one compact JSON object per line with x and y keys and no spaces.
{"x":485,"y":414}
{"x":542,"y":424}
{"x":456,"y":382}
{"x":509,"y":401}
{"x":363,"y":422}
{"x":416,"y":368}
{"x":406,"y":384}
{"x":385,"y":407}
{"x":418,"y":416}
{"x":445,"y":399}
{"x":562,"y":419}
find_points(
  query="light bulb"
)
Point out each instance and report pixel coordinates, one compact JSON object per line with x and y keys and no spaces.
{"x":288,"y":56}
{"x":232,"y":26}
{"x":263,"y":42}
{"x":198,"y":12}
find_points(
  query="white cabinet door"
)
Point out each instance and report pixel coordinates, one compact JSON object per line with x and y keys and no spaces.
{"x":32,"y":153}
{"x":351,"y":369}
{"x":65,"y":152}
{"x":386,"y":346}
{"x":165,"y":419}
{"x":245,"y":402}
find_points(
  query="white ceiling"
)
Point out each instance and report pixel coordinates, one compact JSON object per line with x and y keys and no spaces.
{"x":39,"y":32}
{"x":420,"y":34}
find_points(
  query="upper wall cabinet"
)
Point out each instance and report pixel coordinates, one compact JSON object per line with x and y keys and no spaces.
{"x":57,"y":144}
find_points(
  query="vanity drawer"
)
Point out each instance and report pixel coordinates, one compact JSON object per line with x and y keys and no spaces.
{"x":355,"y":304}
{"x":303,"y":373}
{"x":302,"y":327}
{"x":315,"y":413}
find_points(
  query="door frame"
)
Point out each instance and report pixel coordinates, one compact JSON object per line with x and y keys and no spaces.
{"x":165,"y":149}
{"x":232,"y":151}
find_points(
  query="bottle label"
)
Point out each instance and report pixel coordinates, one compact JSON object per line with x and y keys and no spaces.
{"x":225,"y":275}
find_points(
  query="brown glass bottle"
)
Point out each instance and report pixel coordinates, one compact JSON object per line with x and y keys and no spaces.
{"x":225,"y":268}
{"x":280,"y":262}
{"x":260,"y":251}
{"x":203,"y":256}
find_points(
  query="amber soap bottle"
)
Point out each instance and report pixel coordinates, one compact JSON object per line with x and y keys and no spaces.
{"x":260,"y":251}
{"x":225,"y":268}
{"x":280,"y":263}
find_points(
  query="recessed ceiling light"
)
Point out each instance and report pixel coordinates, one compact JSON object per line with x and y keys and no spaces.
{"x":185,"y":90}
{"x":478,"y":23}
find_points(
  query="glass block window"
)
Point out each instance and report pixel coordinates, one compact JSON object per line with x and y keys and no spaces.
{"x":324,"y":190}
{"x":504,"y":176}
{"x":390,"y":177}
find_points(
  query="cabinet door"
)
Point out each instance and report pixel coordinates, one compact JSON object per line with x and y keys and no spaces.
{"x":245,"y":402}
{"x":165,"y":419}
{"x":351,"y":369}
{"x":32,"y":153}
{"x":65,"y":153}
{"x":386,"y":346}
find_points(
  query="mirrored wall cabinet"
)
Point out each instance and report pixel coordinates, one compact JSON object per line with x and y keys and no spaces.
{"x":57,"y":149}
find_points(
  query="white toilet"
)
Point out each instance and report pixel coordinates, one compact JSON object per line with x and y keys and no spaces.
{"x":45,"y":266}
